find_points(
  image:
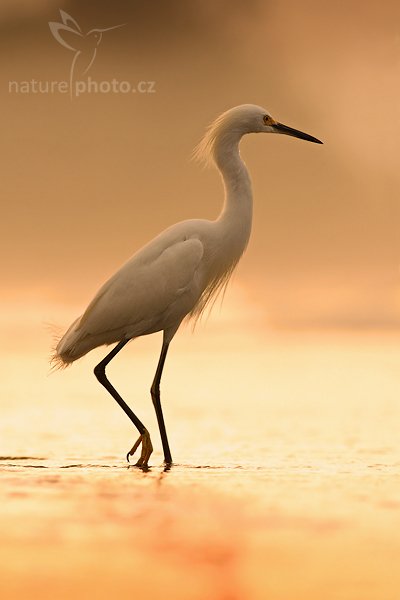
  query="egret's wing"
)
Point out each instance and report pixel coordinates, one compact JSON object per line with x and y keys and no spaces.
{"x":144,"y":289}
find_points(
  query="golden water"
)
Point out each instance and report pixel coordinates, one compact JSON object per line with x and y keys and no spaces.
{"x":286,"y":483}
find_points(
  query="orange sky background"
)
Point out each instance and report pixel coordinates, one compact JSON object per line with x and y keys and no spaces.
{"x":283,"y":416}
{"x":86,"y":182}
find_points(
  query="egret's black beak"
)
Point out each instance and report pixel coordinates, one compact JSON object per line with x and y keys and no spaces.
{"x":279,"y":128}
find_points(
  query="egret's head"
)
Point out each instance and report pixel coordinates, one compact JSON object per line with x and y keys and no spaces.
{"x":272,"y":126}
{"x":256,"y":119}
{"x":238,"y":121}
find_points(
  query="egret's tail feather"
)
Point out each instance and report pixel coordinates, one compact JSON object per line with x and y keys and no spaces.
{"x":64,"y":350}
{"x":59,"y":360}
{"x":55,"y":360}
{"x":57,"y":363}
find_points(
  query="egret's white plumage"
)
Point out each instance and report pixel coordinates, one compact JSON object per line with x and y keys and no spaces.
{"x":179,"y":272}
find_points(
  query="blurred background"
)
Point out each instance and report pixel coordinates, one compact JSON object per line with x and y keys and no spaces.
{"x":283,"y":409}
{"x":86,"y":181}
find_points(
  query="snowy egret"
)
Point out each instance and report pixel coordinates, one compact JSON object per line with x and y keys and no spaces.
{"x":179,"y":272}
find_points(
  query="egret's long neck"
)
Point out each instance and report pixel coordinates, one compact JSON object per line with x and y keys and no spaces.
{"x":237,"y":212}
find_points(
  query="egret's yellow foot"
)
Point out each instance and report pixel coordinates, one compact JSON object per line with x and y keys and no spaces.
{"x":147,"y":449}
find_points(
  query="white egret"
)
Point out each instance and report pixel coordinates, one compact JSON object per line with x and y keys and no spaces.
{"x":179,"y":272}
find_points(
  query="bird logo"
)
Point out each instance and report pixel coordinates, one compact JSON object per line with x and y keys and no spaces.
{"x":69,"y":34}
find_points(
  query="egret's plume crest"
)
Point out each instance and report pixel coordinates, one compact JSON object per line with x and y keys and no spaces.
{"x":222,"y":126}
{"x":233,"y":122}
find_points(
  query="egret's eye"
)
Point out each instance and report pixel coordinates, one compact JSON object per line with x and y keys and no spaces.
{"x":267,"y":120}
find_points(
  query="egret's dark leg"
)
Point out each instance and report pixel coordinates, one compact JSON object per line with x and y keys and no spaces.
{"x":155,"y":394}
{"x":100,"y":372}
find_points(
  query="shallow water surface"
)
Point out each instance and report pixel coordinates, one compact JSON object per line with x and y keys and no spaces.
{"x":286,"y":482}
